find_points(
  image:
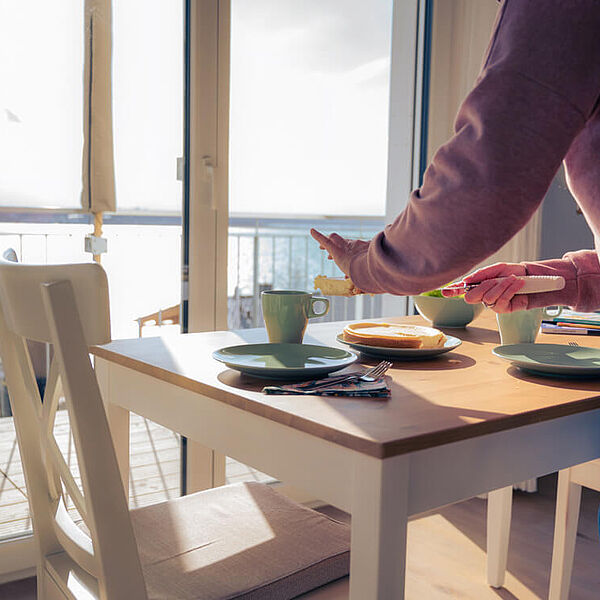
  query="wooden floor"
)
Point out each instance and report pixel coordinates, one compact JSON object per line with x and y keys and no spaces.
{"x":446,"y":556}
{"x":446,"y":553}
{"x":154,"y":473}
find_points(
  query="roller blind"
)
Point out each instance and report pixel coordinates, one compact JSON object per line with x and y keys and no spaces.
{"x":41,"y":103}
{"x":80,"y":81}
{"x":148,"y":103}
{"x":309,"y":106}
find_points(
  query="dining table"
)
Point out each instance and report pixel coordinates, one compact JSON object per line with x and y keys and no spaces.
{"x":456,"y":426}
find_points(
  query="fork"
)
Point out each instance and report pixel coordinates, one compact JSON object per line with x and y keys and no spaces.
{"x":370,"y":375}
{"x":574,"y":344}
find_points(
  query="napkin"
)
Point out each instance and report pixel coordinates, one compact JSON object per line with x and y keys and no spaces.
{"x":353,"y":389}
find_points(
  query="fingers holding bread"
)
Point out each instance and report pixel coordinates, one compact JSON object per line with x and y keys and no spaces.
{"x":336,"y":286}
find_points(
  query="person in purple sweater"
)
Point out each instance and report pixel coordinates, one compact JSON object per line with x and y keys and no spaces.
{"x":536,"y":103}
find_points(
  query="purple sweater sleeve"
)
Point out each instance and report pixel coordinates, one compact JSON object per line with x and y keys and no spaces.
{"x":535,"y":93}
{"x":581,"y":271}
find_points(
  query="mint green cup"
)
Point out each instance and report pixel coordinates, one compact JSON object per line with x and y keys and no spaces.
{"x":522,"y":326}
{"x":286,"y":314}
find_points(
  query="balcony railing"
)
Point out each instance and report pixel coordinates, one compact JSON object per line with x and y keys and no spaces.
{"x":264,"y":253}
{"x":281,"y":254}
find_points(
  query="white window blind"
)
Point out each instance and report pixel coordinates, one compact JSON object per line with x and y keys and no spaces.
{"x":309,"y":106}
{"x":148,"y":103}
{"x":41,"y":103}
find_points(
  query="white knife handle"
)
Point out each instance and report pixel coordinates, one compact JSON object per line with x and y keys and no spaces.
{"x":536,"y":284}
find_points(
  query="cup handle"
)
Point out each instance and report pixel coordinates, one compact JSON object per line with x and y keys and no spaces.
{"x":311,"y":311}
{"x":554,"y":313}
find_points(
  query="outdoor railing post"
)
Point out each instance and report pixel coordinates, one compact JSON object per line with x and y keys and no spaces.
{"x":255,"y":284}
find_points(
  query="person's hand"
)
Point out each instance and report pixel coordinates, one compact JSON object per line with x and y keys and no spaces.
{"x":501,"y":296}
{"x":340,"y":249}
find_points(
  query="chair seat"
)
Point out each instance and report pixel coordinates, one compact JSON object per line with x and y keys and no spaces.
{"x":238,"y":541}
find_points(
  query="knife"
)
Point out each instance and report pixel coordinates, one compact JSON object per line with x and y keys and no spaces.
{"x":534,"y":284}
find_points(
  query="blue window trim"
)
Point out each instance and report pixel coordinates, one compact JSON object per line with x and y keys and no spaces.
{"x":427,"y":44}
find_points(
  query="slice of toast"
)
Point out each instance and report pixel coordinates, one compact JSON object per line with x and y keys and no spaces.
{"x":393,"y":335}
{"x":336,"y":286}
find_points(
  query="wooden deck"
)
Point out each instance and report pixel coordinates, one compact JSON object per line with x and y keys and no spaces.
{"x":154,"y":469}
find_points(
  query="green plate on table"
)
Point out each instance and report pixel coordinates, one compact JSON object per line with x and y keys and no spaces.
{"x":559,"y":360}
{"x":451,"y":343}
{"x":284,"y":361}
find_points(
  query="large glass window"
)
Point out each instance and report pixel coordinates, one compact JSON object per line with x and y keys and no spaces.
{"x":308,"y":140}
{"x":41,"y":139}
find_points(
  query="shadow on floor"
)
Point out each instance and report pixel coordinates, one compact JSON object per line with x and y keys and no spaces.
{"x":531,"y":538}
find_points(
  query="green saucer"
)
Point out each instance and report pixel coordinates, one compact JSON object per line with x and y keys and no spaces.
{"x":559,"y":360}
{"x":284,"y":361}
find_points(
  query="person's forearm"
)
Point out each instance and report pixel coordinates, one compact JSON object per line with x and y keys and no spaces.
{"x":581,"y":271}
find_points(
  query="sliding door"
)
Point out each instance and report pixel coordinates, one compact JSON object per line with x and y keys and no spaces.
{"x":302,"y":113}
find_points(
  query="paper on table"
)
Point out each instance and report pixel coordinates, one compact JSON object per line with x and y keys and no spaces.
{"x":572,"y":316}
{"x":552,"y":328}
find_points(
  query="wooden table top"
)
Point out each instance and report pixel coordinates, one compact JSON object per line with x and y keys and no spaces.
{"x":459,"y":395}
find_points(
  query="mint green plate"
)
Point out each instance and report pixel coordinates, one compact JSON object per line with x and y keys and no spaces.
{"x":559,"y":360}
{"x":284,"y":361}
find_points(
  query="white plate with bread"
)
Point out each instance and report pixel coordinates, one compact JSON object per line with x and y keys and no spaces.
{"x":397,"y":341}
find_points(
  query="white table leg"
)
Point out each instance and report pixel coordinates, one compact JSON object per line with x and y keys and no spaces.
{"x":568,"y":502}
{"x":499,"y":511}
{"x":379,"y":521}
{"x":205,"y":467}
{"x":118,"y":421}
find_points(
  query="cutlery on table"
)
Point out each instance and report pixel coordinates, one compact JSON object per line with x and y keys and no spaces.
{"x":575,"y":344}
{"x":370,"y":375}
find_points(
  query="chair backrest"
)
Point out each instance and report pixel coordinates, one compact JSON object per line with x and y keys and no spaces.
{"x":67,"y":306}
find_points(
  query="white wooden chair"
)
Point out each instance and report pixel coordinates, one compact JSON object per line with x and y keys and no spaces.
{"x":240,"y":541}
{"x":568,"y":500}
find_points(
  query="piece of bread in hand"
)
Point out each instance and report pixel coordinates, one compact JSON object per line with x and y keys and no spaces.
{"x":393,"y":335}
{"x":336,"y":286}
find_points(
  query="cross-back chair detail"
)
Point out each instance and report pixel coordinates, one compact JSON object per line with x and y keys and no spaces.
{"x":125,"y":554}
{"x":43,"y":303}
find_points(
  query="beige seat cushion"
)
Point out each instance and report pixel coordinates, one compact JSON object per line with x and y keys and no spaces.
{"x":238,"y":541}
